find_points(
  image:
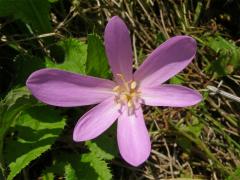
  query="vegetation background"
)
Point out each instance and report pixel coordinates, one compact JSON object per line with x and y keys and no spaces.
{"x":201,"y":142}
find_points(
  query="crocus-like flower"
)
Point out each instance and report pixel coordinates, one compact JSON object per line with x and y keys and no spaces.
{"x":121,"y":99}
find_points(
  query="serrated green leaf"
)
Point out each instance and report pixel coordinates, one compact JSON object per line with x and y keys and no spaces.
{"x":23,"y":161}
{"x":97,"y":64}
{"x":107,"y":141}
{"x":10,"y":108}
{"x":70,"y":173}
{"x":228,"y":55}
{"x":99,"y":165}
{"x":48,"y":176}
{"x":37,"y":129}
{"x":91,"y":165}
{"x":25,"y":65}
{"x":95,"y":149}
{"x":33,"y":12}
{"x":75,"y":56}
{"x":97,"y":158}
{"x":83,"y":170}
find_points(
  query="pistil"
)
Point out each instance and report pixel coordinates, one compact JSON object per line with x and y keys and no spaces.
{"x":127,"y":94}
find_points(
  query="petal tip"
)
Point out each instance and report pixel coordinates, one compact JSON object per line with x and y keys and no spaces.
{"x":137,"y":161}
{"x":115,"y":18}
{"x":196,"y":98}
{"x":199,"y":97}
{"x":78,"y":136}
{"x":117,"y":21}
{"x":188,"y":39}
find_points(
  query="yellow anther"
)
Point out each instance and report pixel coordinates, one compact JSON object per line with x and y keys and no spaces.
{"x":116,"y":89}
{"x":124,"y":97}
{"x":129,"y":104}
{"x":125,"y":83}
{"x":121,"y":77}
{"x":133,"y":85}
{"x":126,"y":93}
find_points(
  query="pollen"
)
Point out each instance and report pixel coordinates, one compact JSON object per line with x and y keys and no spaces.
{"x":133,"y":85}
{"x":127,"y":94}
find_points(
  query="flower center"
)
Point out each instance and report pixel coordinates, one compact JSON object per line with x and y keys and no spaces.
{"x":127,"y":94}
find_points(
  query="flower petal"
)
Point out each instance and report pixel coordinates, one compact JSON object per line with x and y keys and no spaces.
{"x":96,"y":121}
{"x":170,"y":95}
{"x":167,"y":60}
{"x":118,"y":48}
{"x":133,"y":139}
{"x":61,"y":88}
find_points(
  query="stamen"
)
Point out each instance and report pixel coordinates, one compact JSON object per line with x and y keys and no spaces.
{"x":129,"y":104}
{"x":121,"y":77}
{"x":124,"y":97}
{"x":125,"y":83}
{"x":126,"y":94}
{"x":116,"y":89}
{"x":133,"y":85}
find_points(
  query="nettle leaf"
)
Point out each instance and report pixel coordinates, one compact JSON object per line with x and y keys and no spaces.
{"x":48,"y":176}
{"x":107,"y":141}
{"x":90,"y":165}
{"x":97,"y":63}
{"x":70,"y":173}
{"x":62,"y":159}
{"x":227,"y":55}
{"x":25,"y":65}
{"x":11,"y":107}
{"x":97,"y":158}
{"x":75,"y":56}
{"x":33,"y":12}
{"x":36,"y":130}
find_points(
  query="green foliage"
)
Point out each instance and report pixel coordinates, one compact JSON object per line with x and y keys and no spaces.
{"x":70,"y":173}
{"x":193,"y":129}
{"x":90,"y":165}
{"x":177,"y":80}
{"x":53,"y":1}
{"x":107,"y":141}
{"x":227,"y":55}
{"x":96,"y":159}
{"x":235,"y":175}
{"x":33,"y":12}
{"x":11,"y":107}
{"x":48,"y":176}
{"x":63,"y":161}
{"x":75,"y":56}
{"x":97,"y":64}
{"x":37,"y":128}
{"x":25,"y":65}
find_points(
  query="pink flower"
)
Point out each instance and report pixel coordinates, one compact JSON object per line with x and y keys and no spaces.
{"x":122,"y":98}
